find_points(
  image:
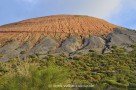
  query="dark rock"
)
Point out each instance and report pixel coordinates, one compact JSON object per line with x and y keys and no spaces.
{"x":45,"y":46}
{"x":121,"y":38}
{"x":93,"y":43}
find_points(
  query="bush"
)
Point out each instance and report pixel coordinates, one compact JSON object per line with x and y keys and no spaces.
{"x":28,"y":76}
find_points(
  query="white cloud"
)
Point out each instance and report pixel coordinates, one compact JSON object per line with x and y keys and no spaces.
{"x":97,"y":8}
{"x":100,"y":8}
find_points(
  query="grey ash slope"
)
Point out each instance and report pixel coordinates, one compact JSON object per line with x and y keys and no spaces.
{"x":121,"y":37}
{"x":70,"y":47}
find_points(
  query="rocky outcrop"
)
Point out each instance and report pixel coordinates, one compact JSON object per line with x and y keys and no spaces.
{"x":121,"y":37}
{"x":90,"y":44}
{"x":8,"y":50}
{"x":94,"y":43}
{"x":46,"y":45}
{"x":69,"y":45}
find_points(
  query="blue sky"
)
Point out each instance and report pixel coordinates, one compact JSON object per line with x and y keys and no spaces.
{"x":119,"y":12}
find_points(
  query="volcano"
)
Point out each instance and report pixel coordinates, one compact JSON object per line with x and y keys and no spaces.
{"x":62,"y":34}
{"x":59,"y":26}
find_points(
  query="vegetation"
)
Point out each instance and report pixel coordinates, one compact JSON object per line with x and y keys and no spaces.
{"x":116,"y":69}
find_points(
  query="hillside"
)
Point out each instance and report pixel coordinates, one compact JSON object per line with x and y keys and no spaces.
{"x":38,"y":53}
{"x":61,"y":34}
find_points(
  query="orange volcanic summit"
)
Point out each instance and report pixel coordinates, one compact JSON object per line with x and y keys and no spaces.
{"x":55,"y":26}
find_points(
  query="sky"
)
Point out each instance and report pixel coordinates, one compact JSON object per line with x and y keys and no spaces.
{"x":119,"y":12}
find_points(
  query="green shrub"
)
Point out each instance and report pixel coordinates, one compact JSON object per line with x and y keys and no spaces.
{"x":27,"y":76}
{"x":115,"y":69}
